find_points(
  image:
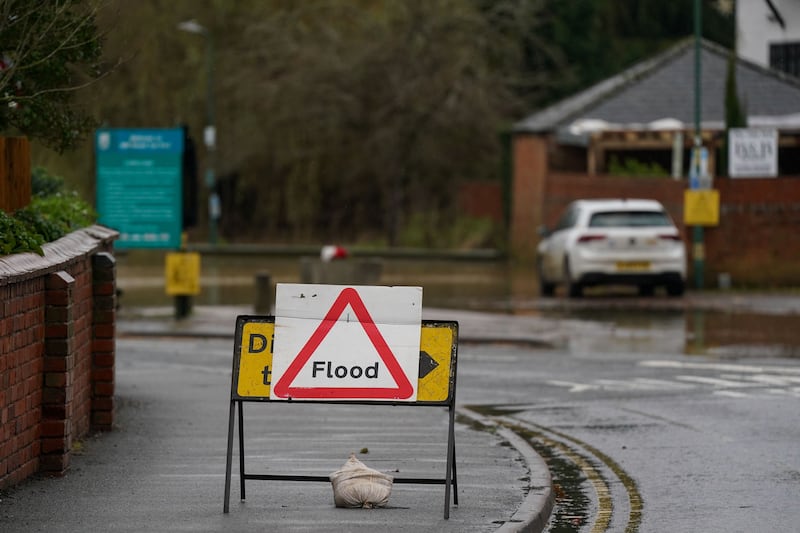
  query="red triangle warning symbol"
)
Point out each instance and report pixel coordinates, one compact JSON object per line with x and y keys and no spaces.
{"x":284,"y":387}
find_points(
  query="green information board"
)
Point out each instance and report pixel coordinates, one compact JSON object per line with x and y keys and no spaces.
{"x":139,"y":185}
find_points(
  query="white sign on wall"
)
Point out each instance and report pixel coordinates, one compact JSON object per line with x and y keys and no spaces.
{"x":752,"y":153}
{"x":337,"y":342}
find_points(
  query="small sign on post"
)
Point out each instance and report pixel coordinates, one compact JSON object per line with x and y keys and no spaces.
{"x":182,"y":274}
{"x":701,"y":207}
{"x":752,"y":153}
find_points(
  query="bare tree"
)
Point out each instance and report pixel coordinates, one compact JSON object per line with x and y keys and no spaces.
{"x":49,"y":49}
{"x":365,"y":111}
{"x":336,"y":119}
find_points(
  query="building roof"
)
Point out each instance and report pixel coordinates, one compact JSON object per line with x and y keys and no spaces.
{"x":658,"y":93}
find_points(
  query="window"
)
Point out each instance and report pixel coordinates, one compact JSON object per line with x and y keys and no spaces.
{"x":629,"y":219}
{"x":568,"y":219}
{"x":785,"y":57}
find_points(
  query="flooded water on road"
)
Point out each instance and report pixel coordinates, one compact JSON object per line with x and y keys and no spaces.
{"x":633,"y":323}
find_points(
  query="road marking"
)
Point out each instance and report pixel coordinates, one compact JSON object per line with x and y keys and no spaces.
{"x":794,"y":392}
{"x":731,"y":394}
{"x":642,"y":384}
{"x":664,"y":384}
{"x":646,"y":384}
{"x":764,"y":379}
{"x":584,"y":455}
{"x":723,"y":367}
{"x":773,"y":381}
{"x":574,"y":387}
{"x":717,"y":382}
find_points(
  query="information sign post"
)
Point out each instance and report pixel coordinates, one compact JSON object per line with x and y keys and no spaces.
{"x":139,"y":185}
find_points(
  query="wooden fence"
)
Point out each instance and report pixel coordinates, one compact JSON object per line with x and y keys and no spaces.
{"x":15,"y":173}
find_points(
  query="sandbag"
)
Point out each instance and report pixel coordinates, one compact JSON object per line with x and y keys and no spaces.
{"x":357,"y":485}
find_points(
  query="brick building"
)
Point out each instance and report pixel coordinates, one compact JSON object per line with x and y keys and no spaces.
{"x":644,"y":117}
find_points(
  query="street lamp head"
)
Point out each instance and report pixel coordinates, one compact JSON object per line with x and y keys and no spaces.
{"x":192,"y":26}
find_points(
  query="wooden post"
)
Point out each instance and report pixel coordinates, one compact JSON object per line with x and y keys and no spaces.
{"x":15,"y":173}
{"x":263,"y":304}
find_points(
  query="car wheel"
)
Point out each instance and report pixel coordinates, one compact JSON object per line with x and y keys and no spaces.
{"x":675,"y":288}
{"x":574,"y":288}
{"x":546,"y":288}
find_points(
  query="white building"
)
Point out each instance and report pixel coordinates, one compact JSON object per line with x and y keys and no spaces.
{"x":768,"y":33}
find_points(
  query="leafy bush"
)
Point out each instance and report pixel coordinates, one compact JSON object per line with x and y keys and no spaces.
{"x":430,"y":230}
{"x":54,"y":216}
{"x":633,"y":167}
{"x":51,"y":214}
{"x":16,"y":236}
{"x":45,"y":184}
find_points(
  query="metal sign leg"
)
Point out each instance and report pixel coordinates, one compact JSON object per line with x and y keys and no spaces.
{"x":229,"y":458}
{"x":455,"y":477}
{"x":451,"y":457}
{"x":241,"y":450}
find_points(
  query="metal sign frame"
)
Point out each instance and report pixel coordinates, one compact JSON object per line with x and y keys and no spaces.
{"x":237,"y":400}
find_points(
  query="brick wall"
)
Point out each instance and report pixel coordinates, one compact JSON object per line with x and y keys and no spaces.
{"x":56,"y":351}
{"x":758,"y":239}
{"x":21,"y":363}
{"x":481,"y":199}
{"x":527,"y":194}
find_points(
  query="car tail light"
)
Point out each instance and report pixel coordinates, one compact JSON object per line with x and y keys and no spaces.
{"x":670,"y":237}
{"x":591,"y":237}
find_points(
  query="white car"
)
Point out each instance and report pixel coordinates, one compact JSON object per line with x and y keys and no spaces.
{"x":612,"y":242}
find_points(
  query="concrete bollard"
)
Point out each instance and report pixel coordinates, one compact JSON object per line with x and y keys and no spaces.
{"x":263,"y":303}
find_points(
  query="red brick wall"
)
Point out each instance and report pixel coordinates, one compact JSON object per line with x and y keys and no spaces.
{"x":758,"y":239}
{"x":21,"y":350}
{"x":81,"y":387}
{"x":527,"y":193}
{"x":562,"y":188}
{"x":56,"y":356}
{"x":481,"y":199}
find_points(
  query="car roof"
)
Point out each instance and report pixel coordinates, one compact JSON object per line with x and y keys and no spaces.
{"x":621,"y":204}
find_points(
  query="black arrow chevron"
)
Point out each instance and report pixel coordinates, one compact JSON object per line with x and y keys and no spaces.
{"x":426,"y":364}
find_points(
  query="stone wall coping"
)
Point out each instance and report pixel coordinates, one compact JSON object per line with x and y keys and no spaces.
{"x":85,"y":241}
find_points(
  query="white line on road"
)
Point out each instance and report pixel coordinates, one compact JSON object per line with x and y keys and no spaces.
{"x":731,"y":393}
{"x":717,"y":382}
{"x":573,"y":387}
{"x":723,"y":367}
{"x":778,"y":381}
{"x":645,"y":384}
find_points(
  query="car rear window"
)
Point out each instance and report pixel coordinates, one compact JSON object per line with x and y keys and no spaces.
{"x":629,"y":219}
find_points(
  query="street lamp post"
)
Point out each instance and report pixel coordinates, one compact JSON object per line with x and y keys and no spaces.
{"x":210,"y":132}
{"x":698,"y":246}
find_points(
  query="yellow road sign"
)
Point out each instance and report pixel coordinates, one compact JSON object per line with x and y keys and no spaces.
{"x":436,"y":351}
{"x":182,"y":273}
{"x":254,"y":344}
{"x":255,"y":360}
{"x":701,"y":207}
